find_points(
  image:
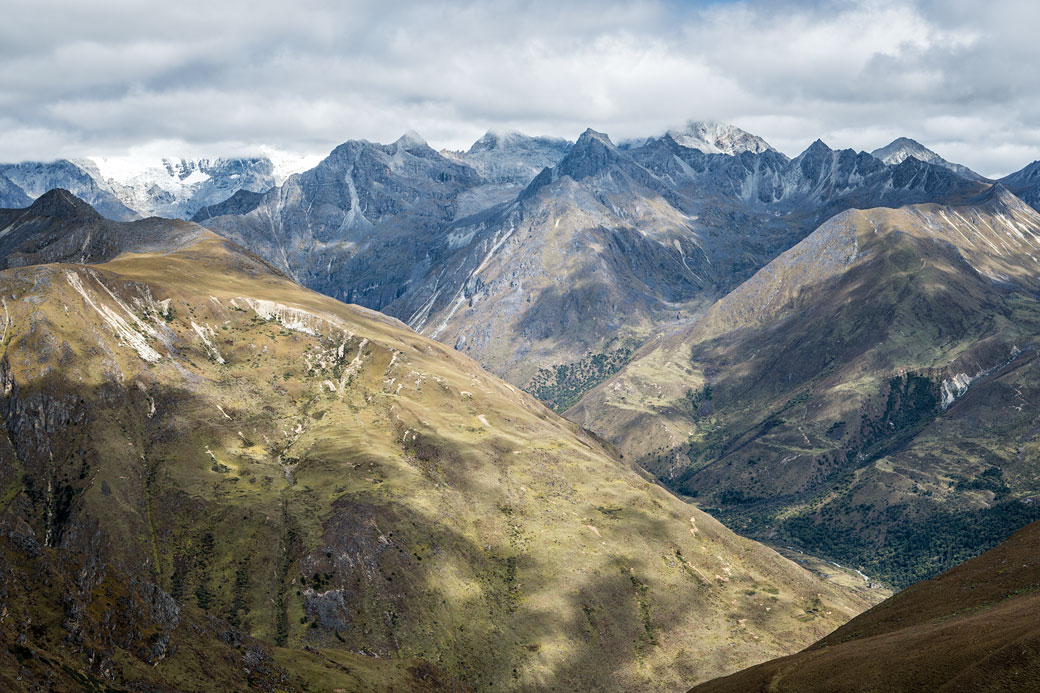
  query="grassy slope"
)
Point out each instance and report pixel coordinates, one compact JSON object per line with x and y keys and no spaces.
{"x":811,"y":398}
{"x":973,"y":628}
{"x":318,"y":475}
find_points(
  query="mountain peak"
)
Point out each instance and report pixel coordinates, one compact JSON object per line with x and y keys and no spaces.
{"x":815,"y":150}
{"x":902,"y":148}
{"x":1027,"y":174}
{"x":488,"y":141}
{"x":512,"y":139}
{"x":60,"y":203}
{"x":999,"y":197}
{"x":410,"y":141}
{"x":905,"y":142}
{"x":590,"y":152}
{"x":712,"y":137}
{"x":591,"y":135}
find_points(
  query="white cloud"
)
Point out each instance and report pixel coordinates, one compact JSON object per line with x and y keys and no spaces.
{"x":115,"y":76}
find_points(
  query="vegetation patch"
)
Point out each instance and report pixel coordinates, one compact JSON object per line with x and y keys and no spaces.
{"x":913,"y":549}
{"x":562,"y":385}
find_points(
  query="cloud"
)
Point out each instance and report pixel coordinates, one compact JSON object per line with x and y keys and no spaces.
{"x":112,"y":76}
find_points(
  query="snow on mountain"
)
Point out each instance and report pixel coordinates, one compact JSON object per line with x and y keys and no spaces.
{"x":511,"y":157}
{"x":179,"y":188}
{"x":286,"y":164}
{"x":80,"y":178}
{"x":901,"y":148}
{"x":126,"y":188}
{"x":711,"y":137}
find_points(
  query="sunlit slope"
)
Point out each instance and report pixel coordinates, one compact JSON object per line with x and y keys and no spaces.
{"x":317,"y":474}
{"x":973,"y":629}
{"x":864,"y":395}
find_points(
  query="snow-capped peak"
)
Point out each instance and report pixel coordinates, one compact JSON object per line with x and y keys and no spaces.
{"x":178,"y":187}
{"x":711,"y":137}
{"x":411,"y":140}
{"x":902,"y":148}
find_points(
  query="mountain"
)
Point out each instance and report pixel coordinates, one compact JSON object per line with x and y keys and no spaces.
{"x":60,"y":227}
{"x":1025,"y":184}
{"x":970,"y":629}
{"x":710,"y":137}
{"x":212,"y":471}
{"x":81,"y":178}
{"x":862,"y":397}
{"x":584,"y":260}
{"x":392,"y":200}
{"x":512,"y":157}
{"x":181,"y":188}
{"x":902,"y":148}
{"x":11,"y":195}
{"x":591,"y":257}
{"x":827,"y":181}
{"x":654,"y":232}
{"x":171,"y":188}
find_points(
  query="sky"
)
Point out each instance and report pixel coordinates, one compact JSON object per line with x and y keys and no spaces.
{"x":132,"y":80}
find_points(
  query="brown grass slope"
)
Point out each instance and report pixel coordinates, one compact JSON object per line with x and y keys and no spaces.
{"x":316,"y":475}
{"x":973,"y":628}
{"x":865,"y":395}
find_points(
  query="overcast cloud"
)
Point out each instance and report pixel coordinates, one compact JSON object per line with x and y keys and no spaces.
{"x":190,"y":78}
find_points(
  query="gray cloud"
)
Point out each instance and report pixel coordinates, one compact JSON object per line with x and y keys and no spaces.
{"x":114,"y":77}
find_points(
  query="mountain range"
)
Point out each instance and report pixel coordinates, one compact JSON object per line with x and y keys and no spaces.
{"x":220,"y":470}
{"x":474,"y":247}
{"x":170,"y":188}
{"x":654,"y":233}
